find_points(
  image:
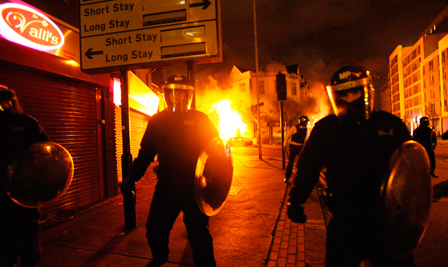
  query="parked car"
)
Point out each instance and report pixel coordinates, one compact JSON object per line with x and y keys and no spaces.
{"x":240,"y":141}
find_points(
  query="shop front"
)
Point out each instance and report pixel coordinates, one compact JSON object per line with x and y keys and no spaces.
{"x":39,"y":59}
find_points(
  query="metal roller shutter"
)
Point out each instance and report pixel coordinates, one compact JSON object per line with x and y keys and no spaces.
{"x":67,"y":109}
{"x":138,"y":122}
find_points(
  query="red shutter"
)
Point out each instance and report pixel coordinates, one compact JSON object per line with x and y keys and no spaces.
{"x":67,"y":109}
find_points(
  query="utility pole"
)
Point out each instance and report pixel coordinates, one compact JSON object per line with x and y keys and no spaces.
{"x":256,"y":81}
{"x":129,"y":199}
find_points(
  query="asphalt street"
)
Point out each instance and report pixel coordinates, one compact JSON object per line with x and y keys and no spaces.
{"x":433,"y":248}
{"x":243,"y":231}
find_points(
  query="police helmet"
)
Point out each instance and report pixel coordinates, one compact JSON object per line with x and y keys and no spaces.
{"x":352,"y":80}
{"x":424,"y":121}
{"x":7,"y":94}
{"x":178,"y":93}
{"x":303,"y":120}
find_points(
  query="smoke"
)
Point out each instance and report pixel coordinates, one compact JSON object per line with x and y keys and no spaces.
{"x":315,"y":105}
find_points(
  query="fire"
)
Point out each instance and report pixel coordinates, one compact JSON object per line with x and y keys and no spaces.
{"x":229,"y":121}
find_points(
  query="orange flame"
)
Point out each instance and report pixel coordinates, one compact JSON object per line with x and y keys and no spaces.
{"x":229,"y":120}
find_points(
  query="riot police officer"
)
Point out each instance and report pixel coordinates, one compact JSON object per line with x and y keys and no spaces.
{"x":19,"y":230}
{"x":427,"y":137}
{"x":352,"y":147}
{"x":177,"y":135}
{"x":295,"y":138}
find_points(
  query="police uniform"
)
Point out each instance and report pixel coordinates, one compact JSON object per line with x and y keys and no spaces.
{"x":298,"y":135}
{"x":424,"y":135}
{"x":356,"y":157}
{"x":352,"y":148}
{"x":177,"y":138}
{"x":19,"y":231}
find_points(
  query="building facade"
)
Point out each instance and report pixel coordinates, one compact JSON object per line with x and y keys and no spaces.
{"x":245,"y":82}
{"x":415,"y":81}
{"x":76,"y":109}
{"x":418,"y":79}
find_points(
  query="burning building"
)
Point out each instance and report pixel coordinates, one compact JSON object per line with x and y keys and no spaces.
{"x":234,"y":108}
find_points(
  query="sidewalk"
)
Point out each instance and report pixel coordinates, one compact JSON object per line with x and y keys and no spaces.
{"x":251,"y":230}
{"x":299,"y":244}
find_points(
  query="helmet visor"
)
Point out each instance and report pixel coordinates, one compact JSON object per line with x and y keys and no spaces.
{"x":356,"y":103}
{"x":178,"y":100}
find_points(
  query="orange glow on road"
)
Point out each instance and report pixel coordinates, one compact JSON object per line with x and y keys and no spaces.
{"x":229,"y":120}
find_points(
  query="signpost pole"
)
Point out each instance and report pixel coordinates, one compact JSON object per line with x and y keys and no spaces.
{"x":129,"y":200}
{"x":260,"y":156}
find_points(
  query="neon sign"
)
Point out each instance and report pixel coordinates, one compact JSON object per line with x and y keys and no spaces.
{"x":26,"y":26}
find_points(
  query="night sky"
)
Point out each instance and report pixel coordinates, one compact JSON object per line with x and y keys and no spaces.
{"x":322,"y":36}
{"x":319,"y":35}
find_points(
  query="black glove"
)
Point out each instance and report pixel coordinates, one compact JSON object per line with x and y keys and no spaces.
{"x":296,"y":213}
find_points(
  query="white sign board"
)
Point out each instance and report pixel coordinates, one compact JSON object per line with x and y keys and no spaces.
{"x":119,"y":33}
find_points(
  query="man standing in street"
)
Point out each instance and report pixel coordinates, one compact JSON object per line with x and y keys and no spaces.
{"x":19,"y":230}
{"x":353,"y":147}
{"x":295,"y":138}
{"x":177,"y":136}
{"x":427,"y":137}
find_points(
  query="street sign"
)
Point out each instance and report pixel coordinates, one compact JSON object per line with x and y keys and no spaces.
{"x":121,"y":33}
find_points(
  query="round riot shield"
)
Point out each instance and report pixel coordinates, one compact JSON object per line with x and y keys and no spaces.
{"x":40,"y":175}
{"x":213,"y":177}
{"x":405,"y":200}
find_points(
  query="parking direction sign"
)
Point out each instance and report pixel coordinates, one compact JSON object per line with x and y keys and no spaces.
{"x":130,"y":32}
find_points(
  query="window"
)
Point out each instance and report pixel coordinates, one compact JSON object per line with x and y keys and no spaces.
{"x":394,"y":70}
{"x":242,"y":87}
{"x":416,"y":89}
{"x":261,"y":88}
{"x":395,"y":88}
{"x":294,"y":89}
{"x":395,"y":79}
{"x":416,"y":100}
{"x":394,"y":60}
{"x":396,"y":98}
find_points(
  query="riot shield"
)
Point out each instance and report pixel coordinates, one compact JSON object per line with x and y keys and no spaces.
{"x":40,"y":175}
{"x":213,"y":177}
{"x":405,"y":200}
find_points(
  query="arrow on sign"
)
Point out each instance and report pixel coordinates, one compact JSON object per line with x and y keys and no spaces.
{"x":204,"y":4}
{"x":90,"y":53}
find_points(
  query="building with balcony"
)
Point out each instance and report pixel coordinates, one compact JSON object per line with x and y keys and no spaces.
{"x":416,"y":79}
